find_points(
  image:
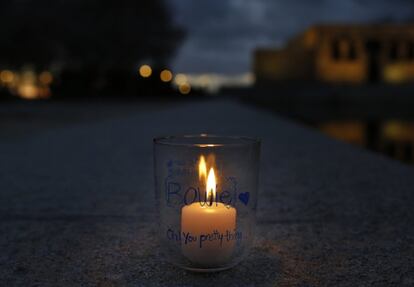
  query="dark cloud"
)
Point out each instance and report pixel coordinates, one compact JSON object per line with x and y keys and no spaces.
{"x":221,"y":34}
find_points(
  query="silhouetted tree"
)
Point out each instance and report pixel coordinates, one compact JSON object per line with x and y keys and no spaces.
{"x":89,"y":40}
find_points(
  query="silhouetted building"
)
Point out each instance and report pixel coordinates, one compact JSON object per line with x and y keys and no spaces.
{"x":342,"y":54}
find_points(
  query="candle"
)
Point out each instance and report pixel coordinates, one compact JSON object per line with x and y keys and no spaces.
{"x":207,"y":227}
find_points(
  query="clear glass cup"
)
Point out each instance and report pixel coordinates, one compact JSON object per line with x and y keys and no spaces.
{"x":206,"y":193}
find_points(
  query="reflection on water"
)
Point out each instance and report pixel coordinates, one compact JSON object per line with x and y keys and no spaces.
{"x":393,"y":138}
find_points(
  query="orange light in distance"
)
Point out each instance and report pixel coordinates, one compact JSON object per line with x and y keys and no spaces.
{"x":185,"y":88}
{"x":166,"y":76}
{"x":145,"y":71}
{"x":46,"y":78}
{"x":6,"y":76}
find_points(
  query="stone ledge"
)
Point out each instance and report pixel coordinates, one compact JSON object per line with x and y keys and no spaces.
{"x":77,"y":204}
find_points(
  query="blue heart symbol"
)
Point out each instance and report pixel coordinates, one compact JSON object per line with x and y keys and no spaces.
{"x":244,"y":197}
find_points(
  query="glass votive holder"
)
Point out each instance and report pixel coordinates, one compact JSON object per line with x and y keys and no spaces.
{"x":206,"y":193}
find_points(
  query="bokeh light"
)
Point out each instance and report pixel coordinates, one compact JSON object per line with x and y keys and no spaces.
{"x":46,"y":78}
{"x":44,"y":92}
{"x":145,"y":71}
{"x":166,"y":75}
{"x":6,"y":77}
{"x":180,"y":79}
{"x":28,"y":91}
{"x":185,"y":88}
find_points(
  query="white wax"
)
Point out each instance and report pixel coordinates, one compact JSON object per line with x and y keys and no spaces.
{"x":208,"y":227}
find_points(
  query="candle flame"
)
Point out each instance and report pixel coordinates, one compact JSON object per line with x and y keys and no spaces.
{"x":208,"y":182}
{"x":211,"y":185}
{"x":202,"y":169}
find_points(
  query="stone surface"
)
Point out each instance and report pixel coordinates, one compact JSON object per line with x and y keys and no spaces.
{"x":76,"y":201}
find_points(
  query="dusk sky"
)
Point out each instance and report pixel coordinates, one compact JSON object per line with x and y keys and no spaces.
{"x":221,"y":34}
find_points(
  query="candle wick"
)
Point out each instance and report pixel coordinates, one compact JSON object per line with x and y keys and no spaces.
{"x":211,"y":198}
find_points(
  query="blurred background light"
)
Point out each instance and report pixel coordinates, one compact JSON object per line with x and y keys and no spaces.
{"x":145,"y":71}
{"x":184,"y":88}
{"x":166,"y":75}
{"x":212,"y":83}
{"x":6,"y":76}
{"x":180,"y":79}
{"x":46,"y":78}
{"x":28,"y":91}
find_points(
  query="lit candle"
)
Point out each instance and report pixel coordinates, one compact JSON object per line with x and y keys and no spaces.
{"x":206,"y":227}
